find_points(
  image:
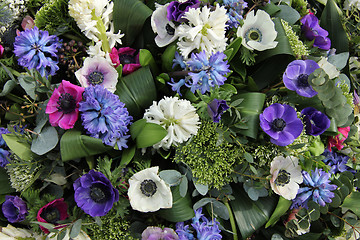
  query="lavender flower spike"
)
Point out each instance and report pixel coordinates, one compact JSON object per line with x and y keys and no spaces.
{"x":281,"y":123}
{"x":296,"y":76}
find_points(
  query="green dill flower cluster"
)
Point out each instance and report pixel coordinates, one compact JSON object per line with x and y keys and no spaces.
{"x":296,"y":45}
{"x":346,"y":91}
{"x":211,"y":162}
{"x":111,"y":229}
{"x":21,"y":173}
{"x":264,"y":154}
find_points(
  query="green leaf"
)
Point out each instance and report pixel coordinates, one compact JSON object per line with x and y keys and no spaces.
{"x":74,"y":145}
{"x":129,"y":17}
{"x":250,"y":109}
{"x":137,"y":91}
{"x":201,"y":188}
{"x":181,"y":209}
{"x":149,"y":135}
{"x":21,"y":148}
{"x":76,"y":228}
{"x":250,"y":215}
{"x":171,"y":177}
{"x":167,"y":58}
{"x":45,"y":141}
{"x":8,"y":87}
{"x":353,"y":203}
{"x":137,"y":127}
{"x":234,"y":45}
{"x":5,"y":186}
{"x":248,"y":157}
{"x":282,"y":206}
{"x":127,"y":155}
{"x":146,"y":58}
{"x":288,"y":14}
{"x":339,"y":60}
{"x":331,"y":21}
{"x":28,"y":84}
{"x":183,"y":186}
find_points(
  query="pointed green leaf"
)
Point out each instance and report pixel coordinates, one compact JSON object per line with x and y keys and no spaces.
{"x":75,"y":229}
{"x":150,"y":134}
{"x":74,"y":145}
{"x":8,"y":87}
{"x":282,"y":206}
{"x":129,"y":17}
{"x":21,"y":148}
{"x":127,"y":155}
{"x":146,"y":58}
{"x":5,"y":186}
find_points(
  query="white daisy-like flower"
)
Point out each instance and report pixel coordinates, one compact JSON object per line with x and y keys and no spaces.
{"x":258,"y":31}
{"x":286,"y":176}
{"x":205,"y":31}
{"x":97,"y":71}
{"x":148,"y":192}
{"x":166,"y":30}
{"x":175,"y":115}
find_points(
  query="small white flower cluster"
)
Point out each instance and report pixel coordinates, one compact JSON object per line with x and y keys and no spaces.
{"x":94,"y":18}
{"x":12,"y":10}
{"x":204,"y":30}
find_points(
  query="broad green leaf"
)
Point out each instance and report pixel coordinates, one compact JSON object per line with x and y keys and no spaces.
{"x":75,"y":229}
{"x":74,"y":145}
{"x":281,"y":208}
{"x":146,"y":58}
{"x":28,"y":84}
{"x":234,"y":45}
{"x":331,"y":21}
{"x":137,"y":91}
{"x":8,"y":87}
{"x":4,"y":182}
{"x":19,"y":146}
{"x":149,"y":135}
{"x":137,"y":127}
{"x":183,"y":186}
{"x":201,"y":188}
{"x":288,"y":14}
{"x":181,"y":209}
{"x":45,"y":141}
{"x":250,"y":108}
{"x":167,"y":58}
{"x":129,"y":17}
{"x":250,"y":215}
{"x":127,"y":155}
{"x":339,"y":60}
{"x":171,"y":177}
{"x":353,"y":203}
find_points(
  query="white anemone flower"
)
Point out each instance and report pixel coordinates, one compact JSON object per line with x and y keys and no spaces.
{"x":175,"y":115}
{"x":205,"y":31}
{"x":148,"y":192}
{"x":166,"y":30}
{"x":97,"y":71}
{"x":258,"y":31}
{"x":286,"y":176}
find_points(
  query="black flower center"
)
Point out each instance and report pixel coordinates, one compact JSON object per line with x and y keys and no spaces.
{"x":67,"y":103}
{"x":253,"y":34}
{"x":126,"y":59}
{"x":283,"y":178}
{"x":98,"y":194}
{"x":278,"y":124}
{"x":170,"y":30}
{"x":96,"y":78}
{"x":303,"y":80}
{"x":51,"y":215}
{"x":148,"y":187}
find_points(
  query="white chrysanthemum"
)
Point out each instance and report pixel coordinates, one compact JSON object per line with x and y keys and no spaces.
{"x":166,"y":30}
{"x":205,"y":31}
{"x":148,"y":192}
{"x":177,"y":116}
{"x":329,"y":68}
{"x":258,"y":31}
{"x":351,"y":3}
{"x":85,"y":13}
{"x":12,"y":233}
{"x":286,"y":176}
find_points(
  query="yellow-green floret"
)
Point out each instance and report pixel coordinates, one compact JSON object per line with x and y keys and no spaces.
{"x":296,"y":45}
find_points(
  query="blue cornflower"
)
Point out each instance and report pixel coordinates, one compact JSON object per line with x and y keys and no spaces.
{"x":205,"y":229}
{"x":235,"y":11}
{"x":206,"y":72}
{"x":336,"y":161}
{"x":37,"y":49}
{"x":317,"y":187}
{"x":104,"y":116}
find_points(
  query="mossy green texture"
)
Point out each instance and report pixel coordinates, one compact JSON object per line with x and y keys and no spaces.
{"x":211,"y":160}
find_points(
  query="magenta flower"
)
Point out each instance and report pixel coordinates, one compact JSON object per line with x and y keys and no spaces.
{"x":52,"y":212}
{"x":339,"y":139}
{"x":1,"y":51}
{"x":125,"y":56}
{"x":63,"y":106}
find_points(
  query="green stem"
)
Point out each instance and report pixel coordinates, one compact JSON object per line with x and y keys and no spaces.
{"x":15,"y":98}
{"x":232,"y":220}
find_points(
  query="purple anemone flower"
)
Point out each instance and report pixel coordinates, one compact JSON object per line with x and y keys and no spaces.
{"x":317,"y":187}
{"x":281,"y":123}
{"x":94,"y":194}
{"x":296,"y":77}
{"x":14,"y":209}
{"x":313,"y":31}
{"x":37,"y":49}
{"x":316,"y":122}
{"x":216,"y":108}
{"x":175,"y":10}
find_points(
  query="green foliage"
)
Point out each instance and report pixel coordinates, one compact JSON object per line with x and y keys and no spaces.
{"x":54,"y":17}
{"x":8,"y":62}
{"x":300,"y":6}
{"x":112,"y":228}
{"x":210,"y":158}
{"x":331,"y":96}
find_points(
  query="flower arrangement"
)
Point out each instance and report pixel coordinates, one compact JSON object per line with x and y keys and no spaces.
{"x":179,"y":119}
